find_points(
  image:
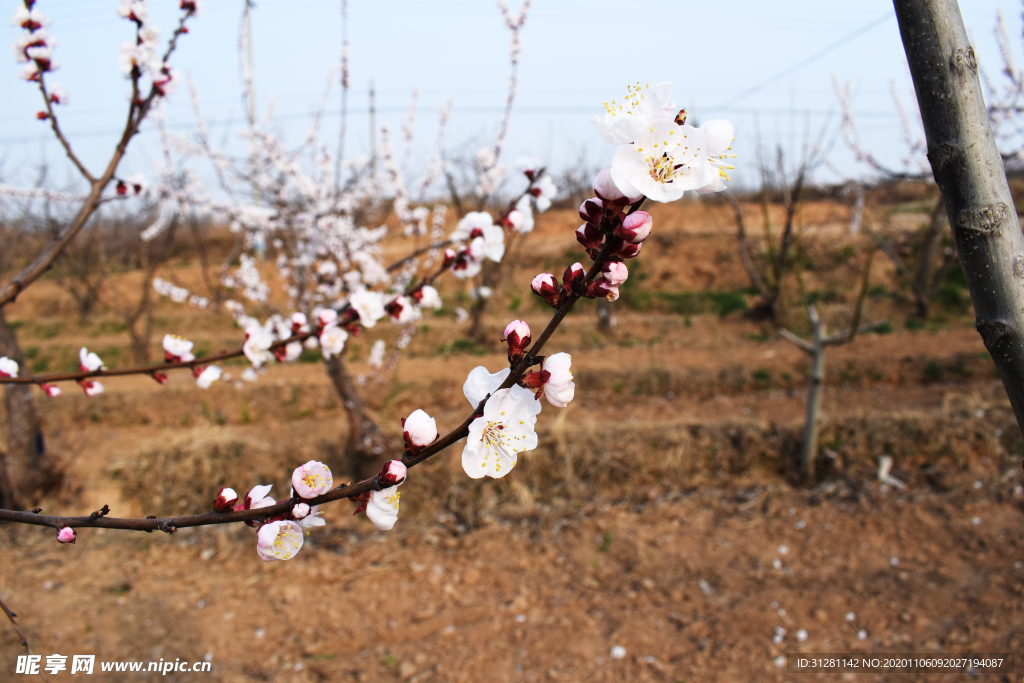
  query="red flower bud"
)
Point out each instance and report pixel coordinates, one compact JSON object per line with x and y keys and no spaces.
{"x":394,"y":473}
{"x":546,"y":286}
{"x":160,"y":377}
{"x":42,"y":115}
{"x":628,"y":250}
{"x":122,"y":189}
{"x":517,"y":334}
{"x":226,"y":498}
{"x":600,"y":287}
{"x":449,"y":257}
{"x":592,"y":210}
{"x":590,"y":238}
{"x":573,"y":275}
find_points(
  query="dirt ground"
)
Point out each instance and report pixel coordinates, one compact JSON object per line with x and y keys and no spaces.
{"x":659,"y":513}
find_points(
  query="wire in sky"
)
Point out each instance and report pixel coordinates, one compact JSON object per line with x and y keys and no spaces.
{"x":807,"y":60}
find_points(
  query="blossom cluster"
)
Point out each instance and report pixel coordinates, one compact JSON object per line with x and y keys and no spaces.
{"x":34,"y":48}
{"x":660,"y":155}
{"x":142,"y":56}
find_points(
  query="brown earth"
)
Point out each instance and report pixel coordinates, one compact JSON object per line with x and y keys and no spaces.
{"x":650,"y":517}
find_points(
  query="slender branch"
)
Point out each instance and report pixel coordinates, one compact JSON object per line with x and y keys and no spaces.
{"x":430,"y":247}
{"x":60,"y":135}
{"x":147,"y":369}
{"x":137,"y":111}
{"x":171,"y":524}
{"x":24,"y":641}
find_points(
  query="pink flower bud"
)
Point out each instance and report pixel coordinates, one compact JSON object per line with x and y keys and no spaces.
{"x":420,"y":431}
{"x":300,"y":511}
{"x":615,"y":273}
{"x":298,"y":322}
{"x":517,"y":334}
{"x":592,"y":211}
{"x":312,"y":479}
{"x":546,"y":286}
{"x":160,"y":377}
{"x":393,"y":474}
{"x":449,"y":257}
{"x":600,"y":287}
{"x":572,"y":275}
{"x":628,"y":250}
{"x":606,"y":190}
{"x":51,"y":390}
{"x":326,"y":316}
{"x":590,"y":238}
{"x":635,"y":227}
{"x":66,"y":535}
{"x":226,"y":498}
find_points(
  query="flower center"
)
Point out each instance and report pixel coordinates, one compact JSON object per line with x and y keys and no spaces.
{"x":287,"y":543}
{"x":312,"y":480}
{"x":635,"y":101}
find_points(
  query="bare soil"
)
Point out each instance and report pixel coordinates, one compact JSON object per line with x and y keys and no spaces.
{"x":659,"y":513}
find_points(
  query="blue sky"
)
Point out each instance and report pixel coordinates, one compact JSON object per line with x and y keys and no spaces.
{"x":576,"y":54}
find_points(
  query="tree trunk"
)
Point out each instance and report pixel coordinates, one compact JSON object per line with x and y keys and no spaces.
{"x":923,"y":285}
{"x":605,"y":316}
{"x":969,"y":171}
{"x":367,"y":446}
{"x":809,"y":450}
{"x":26,"y":473}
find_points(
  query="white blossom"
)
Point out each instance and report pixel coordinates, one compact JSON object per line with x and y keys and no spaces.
{"x":641,"y":108}
{"x":208,"y":376}
{"x":332,"y":341}
{"x":559,"y":388}
{"x":505,"y":430}
{"x":280,"y":540}
{"x":8,"y":367}
{"x":382,"y":508}
{"x":369,"y":305}
{"x":89,"y":362}
{"x":257,"y":345}
{"x":480,"y":383}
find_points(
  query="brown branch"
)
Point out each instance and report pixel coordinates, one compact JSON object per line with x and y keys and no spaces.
{"x":137,"y":111}
{"x":430,"y":247}
{"x":741,"y":237}
{"x":60,"y":135}
{"x":171,"y":524}
{"x":147,"y":369}
{"x":24,"y":641}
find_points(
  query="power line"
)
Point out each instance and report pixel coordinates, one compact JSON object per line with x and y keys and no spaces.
{"x":807,"y":60}
{"x":401,"y":110}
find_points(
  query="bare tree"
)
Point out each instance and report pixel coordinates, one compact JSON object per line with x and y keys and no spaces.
{"x":815,"y":348}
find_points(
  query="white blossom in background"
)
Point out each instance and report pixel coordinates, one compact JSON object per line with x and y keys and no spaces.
{"x":504,"y":430}
{"x":177,"y":349}
{"x":208,"y":376}
{"x":257,"y":345}
{"x":544,"y":192}
{"x":369,"y":305}
{"x":89,"y":362}
{"x":92,"y":387}
{"x":332,"y":341}
{"x":377,"y":354}
{"x":8,"y":367}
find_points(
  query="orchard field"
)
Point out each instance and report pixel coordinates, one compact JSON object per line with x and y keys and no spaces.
{"x":661,"y":513}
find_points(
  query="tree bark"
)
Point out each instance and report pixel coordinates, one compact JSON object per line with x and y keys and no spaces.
{"x":366,"y":447}
{"x":25,"y":474}
{"x":809,"y":451}
{"x":969,"y":171}
{"x":605,"y":316}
